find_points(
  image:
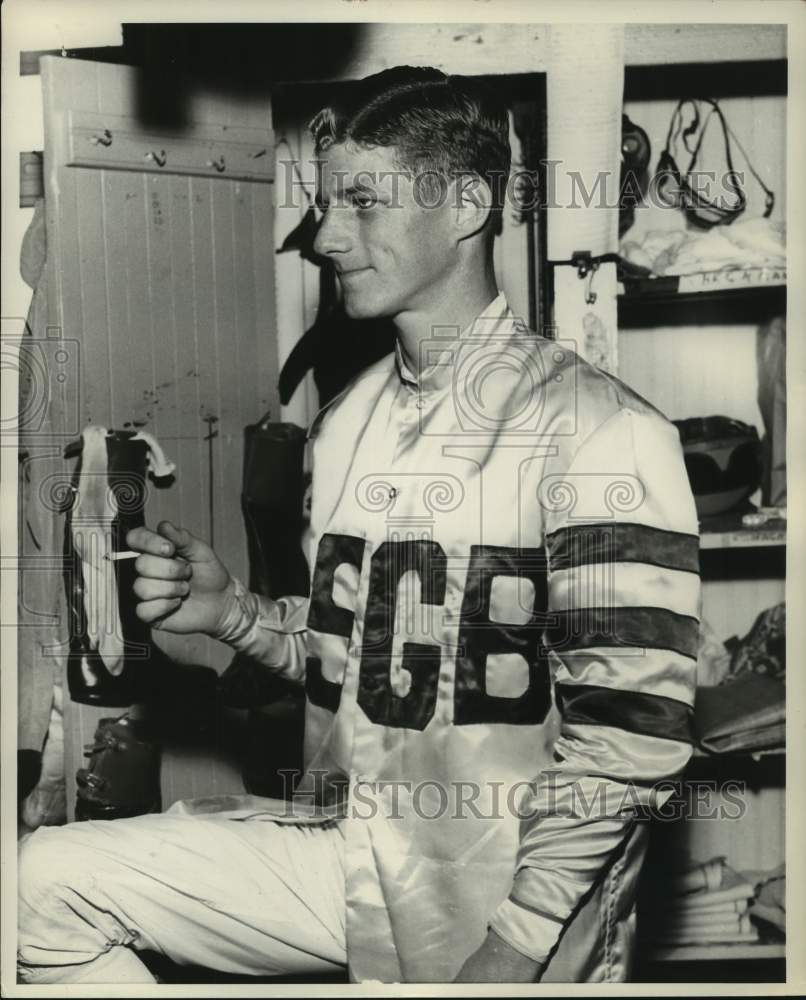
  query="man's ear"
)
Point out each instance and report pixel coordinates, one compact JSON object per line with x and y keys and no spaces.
{"x":472,"y":204}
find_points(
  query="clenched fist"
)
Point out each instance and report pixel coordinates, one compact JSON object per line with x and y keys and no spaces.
{"x":182,"y":584}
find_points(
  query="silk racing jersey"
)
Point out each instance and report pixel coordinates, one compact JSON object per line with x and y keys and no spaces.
{"x":500,"y":642}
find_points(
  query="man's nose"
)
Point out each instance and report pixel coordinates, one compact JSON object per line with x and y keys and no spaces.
{"x":333,"y":236}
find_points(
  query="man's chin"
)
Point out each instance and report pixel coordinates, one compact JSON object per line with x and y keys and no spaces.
{"x":357,"y":308}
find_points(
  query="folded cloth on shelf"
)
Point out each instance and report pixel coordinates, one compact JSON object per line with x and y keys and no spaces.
{"x":714,"y":937}
{"x":707,"y":902}
{"x":750,"y":243}
{"x":707,"y":920}
{"x":749,"y":713}
{"x":705,"y":876}
{"x":729,"y":887}
{"x":697,"y":910}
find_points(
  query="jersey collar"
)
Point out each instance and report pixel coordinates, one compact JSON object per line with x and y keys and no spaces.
{"x":438,"y":374}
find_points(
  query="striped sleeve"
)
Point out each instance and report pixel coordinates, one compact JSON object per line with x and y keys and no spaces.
{"x":622,"y":635}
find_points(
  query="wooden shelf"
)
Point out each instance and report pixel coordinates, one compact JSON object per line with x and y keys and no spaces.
{"x":727,"y":281}
{"x":725,"y":531}
{"x":749,"y":951}
{"x":745,"y":295}
{"x":743,"y":538}
{"x":778,"y":753}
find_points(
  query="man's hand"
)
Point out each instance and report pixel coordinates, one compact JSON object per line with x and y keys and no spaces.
{"x":498,"y":962}
{"x":182,"y":585}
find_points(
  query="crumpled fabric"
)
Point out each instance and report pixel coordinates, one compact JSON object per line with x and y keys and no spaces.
{"x":763,"y":650}
{"x":157,"y":463}
{"x":750,"y":243}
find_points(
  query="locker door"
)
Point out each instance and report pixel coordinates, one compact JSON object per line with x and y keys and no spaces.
{"x":160,"y":268}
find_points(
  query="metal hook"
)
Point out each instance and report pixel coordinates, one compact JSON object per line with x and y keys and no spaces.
{"x":218,"y":165}
{"x":159,"y":158}
{"x":104,"y":139}
{"x":586,"y":267}
{"x":590,"y":295}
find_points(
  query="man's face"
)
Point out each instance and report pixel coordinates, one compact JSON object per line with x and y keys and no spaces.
{"x":392,"y":252}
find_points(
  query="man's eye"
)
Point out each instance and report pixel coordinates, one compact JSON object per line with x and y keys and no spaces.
{"x":364,"y":200}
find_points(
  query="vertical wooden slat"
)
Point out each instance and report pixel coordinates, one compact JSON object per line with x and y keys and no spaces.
{"x":163,"y":502}
{"x":116,"y":188}
{"x":245,"y":299}
{"x":184,"y":394}
{"x":94,"y":330}
{"x":262,"y":262}
{"x":227,"y":445}
{"x":203,"y":294}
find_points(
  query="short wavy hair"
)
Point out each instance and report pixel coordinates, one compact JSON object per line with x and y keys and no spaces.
{"x":439,"y":125}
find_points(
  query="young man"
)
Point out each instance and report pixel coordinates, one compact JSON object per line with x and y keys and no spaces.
{"x":492,"y":520}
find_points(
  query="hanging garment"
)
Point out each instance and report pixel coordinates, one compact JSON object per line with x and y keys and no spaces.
{"x":111,"y":659}
{"x":40,"y":610}
{"x":44,"y":418}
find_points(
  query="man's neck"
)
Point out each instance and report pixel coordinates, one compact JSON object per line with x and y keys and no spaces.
{"x":455,"y":310}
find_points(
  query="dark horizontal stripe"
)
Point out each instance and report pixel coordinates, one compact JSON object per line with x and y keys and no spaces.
{"x":537,"y":910}
{"x":646,"y":714}
{"x":646,"y":628}
{"x":584,"y":544}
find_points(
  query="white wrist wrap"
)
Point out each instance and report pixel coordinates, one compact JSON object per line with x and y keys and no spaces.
{"x":240,"y":617}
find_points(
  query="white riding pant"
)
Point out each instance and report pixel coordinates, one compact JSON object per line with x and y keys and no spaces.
{"x":232,"y":890}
